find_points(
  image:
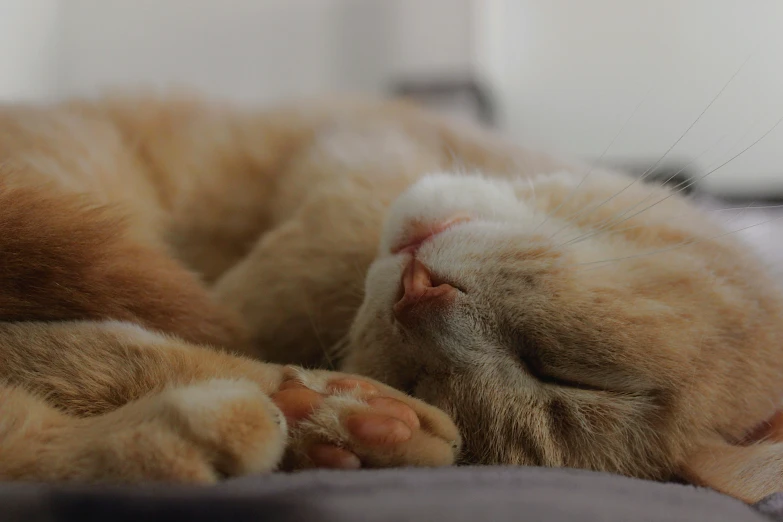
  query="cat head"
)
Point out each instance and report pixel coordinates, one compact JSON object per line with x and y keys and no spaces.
{"x":565,"y":320}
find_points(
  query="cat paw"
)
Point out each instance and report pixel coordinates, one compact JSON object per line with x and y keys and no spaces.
{"x":347,"y":422}
{"x":195,"y":434}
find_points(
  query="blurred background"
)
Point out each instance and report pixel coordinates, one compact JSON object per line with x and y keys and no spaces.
{"x":568,"y":75}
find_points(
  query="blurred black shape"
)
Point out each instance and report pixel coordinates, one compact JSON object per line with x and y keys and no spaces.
{"x":450,"y":95}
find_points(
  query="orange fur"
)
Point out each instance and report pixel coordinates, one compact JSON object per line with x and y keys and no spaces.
{"x":138,"y":235}
{"x":65,"y":260}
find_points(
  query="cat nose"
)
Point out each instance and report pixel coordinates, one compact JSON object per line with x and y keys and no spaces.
{"x":419,"y":293}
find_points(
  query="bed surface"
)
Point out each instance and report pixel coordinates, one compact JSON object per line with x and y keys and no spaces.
{"x":472,"y":494}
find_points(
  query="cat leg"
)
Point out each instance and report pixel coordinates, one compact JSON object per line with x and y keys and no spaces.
{"x":300,"y":286}
{"x":74,"y":270}
{"x":132,"y":405}
{"x":196,"y":433}
{"x":124,"y":404}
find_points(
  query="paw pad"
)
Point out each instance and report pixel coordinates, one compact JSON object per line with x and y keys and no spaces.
{"x":371,"y":420}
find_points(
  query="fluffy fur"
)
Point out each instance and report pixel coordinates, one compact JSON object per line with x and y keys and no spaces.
{"x":581,"y":320}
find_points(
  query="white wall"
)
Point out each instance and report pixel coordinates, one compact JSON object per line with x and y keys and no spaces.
{"x":571,"y":72}
{"x":246,"y":50}
{"x":258,"y":50}
{"x":431,"y":37}
{"x":28,"y":37}
{"x":568,"y":72}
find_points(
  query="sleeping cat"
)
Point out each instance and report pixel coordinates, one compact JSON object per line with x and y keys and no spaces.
{"x":162,"y":259}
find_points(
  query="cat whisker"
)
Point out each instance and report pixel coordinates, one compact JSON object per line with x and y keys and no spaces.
{"x":651,"y":169}
{"x":591,"y":210}
{"x":738,"y":214}
{"x":340,"y":348}
{"x":655,"y":165}
{"x":317,"y":332}
{"x":575,"y":190}
{"x":533,"y":192}
{"x":742,"y":210}
{"x":729,"y":150}
{"x":457,"y":165}
{"x":745,"y":207}
{"x":359,"y":271}
{"x":743,"y":151}
{"x":356,"y":293}
{"x":609,"y":230}
{"x":683,"y":186}
{"x":605,"y":262}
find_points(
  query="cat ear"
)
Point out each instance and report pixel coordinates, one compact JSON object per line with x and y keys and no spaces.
{"x":748,"y":473}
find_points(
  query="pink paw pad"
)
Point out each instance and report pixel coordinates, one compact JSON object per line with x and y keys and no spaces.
{"x":387,"y":422}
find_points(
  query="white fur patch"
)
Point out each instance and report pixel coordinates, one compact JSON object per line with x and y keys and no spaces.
{"x":310,"y":380}
{"x":326,"y":421}
{"x":202,"y":403}
{"x":211,"y":394}
{"x":206,"y":409}
{"x":319,"y":383}
{"x":439,"y":196}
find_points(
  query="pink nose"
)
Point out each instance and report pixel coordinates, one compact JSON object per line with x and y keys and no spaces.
{"x":419,"y":292}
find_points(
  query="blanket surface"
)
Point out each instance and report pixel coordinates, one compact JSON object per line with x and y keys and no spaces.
{"x":467,"y":494}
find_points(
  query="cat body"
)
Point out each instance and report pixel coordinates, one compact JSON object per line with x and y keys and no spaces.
{"x":163,"y":258}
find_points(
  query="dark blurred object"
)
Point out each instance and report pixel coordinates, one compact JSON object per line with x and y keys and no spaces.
{"x":680,"y":177}
{"x":460,"y":96}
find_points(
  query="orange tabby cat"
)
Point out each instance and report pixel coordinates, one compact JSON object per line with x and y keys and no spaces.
{"x":143,"y":240}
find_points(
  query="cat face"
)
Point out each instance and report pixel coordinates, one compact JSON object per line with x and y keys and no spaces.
{"x":568,"y":321}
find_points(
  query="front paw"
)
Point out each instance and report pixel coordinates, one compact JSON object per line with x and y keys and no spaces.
{"x":347,"y":422}
{"x":199,"y":433}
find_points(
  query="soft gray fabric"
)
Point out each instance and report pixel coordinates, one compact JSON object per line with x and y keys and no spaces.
{"x":772,"y":506}
{"x":449,"y":494}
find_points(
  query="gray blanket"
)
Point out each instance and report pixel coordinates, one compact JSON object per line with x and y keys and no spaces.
{"x":451,"y":494}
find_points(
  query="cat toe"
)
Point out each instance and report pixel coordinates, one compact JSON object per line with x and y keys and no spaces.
{"x":352,"y":422}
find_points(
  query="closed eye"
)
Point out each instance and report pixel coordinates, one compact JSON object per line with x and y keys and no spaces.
{"x":534,"y":368}
{"x":528,"y":357}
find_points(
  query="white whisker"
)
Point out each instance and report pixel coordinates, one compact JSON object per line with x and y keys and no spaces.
{"x":340,"y":348}
{"x":729,"y":150}
{"x":743,"y":209}
{"x":317,"y":332}
{"x":595,"y":163}
{"x":533,"y":191}
{"x":759,"y":207}
{"x":652,"y":168}
{"x":738,"y":214}
{"x":743,"y":151}
{"x":359,"y":272}
{"x":608,"y":222}
{"x":686,"y":184}
{"x":604,"y":262}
